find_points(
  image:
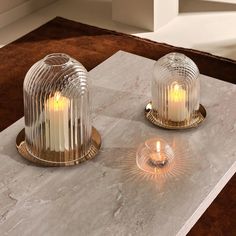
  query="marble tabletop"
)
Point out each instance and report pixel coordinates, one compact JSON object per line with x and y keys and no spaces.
{"x":110,"y":195}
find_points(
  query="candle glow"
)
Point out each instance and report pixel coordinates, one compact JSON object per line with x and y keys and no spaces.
{"x":177,"y":103}
{"x":58,"y":102}
{"x":177,"y":94}
{"x":156,"y":155}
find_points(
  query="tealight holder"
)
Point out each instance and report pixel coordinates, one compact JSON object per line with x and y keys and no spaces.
{"x":58,"y":130}
{"x":153,"y":155}
{"x":175,"y":93}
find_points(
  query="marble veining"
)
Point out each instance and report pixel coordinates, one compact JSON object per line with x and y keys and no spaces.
{"x":110,"y":195}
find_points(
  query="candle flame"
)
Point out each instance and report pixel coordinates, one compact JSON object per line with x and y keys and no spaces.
{"x":177,"y":93}
{"x":57,"y":96}
{"x":176,"y":87}
{"x":57,"y":102}
{"x":158,"y":146}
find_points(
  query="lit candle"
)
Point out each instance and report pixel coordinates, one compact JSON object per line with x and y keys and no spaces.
{"x":57,"y":131}
{"x":177,"y":104}
{"x":156,"y":157}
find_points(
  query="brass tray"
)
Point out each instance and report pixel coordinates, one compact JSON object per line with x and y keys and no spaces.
{"x":154,"y":119}
{"x":94,"y":148}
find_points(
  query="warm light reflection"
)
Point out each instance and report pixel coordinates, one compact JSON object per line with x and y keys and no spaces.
{"x":124,"y":160}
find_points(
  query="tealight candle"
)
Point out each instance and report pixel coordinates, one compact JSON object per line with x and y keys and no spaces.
{"x":177,"y":103}
{"x":57,"y":117}
{"x":156,"y":157}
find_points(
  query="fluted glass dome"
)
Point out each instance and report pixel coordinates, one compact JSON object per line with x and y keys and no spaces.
{"x":175,"y":91}
{"x":57,"y":109}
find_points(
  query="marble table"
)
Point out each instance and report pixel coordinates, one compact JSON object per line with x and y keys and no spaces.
{"x":110,"y":195}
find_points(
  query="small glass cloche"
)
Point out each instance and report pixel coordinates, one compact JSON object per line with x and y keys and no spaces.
{"x":175,"y":93}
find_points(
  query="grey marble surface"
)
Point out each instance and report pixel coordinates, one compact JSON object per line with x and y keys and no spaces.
{"x":110,"y":195}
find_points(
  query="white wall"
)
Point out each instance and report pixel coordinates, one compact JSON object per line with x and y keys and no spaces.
{"x":6,"y":5}
{"x":164,"y":12}
{"x":12,"y":10}
{"x":226,"y":1}
{"x":138,"y":13}
{"x":146,"y":14}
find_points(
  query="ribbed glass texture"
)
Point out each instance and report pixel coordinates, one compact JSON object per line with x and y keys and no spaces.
{"x":175,"y":90}
{"x":57,"y":109}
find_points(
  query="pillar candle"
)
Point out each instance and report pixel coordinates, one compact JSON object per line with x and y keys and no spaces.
{"x":177,"y":104}
{"x":57,"y":123}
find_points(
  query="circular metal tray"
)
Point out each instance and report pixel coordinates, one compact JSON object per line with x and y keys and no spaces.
{"x":94,"y":148}
{"x":154,"y":119}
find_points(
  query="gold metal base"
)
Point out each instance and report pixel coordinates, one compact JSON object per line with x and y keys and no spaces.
{"x":154,"y":119}
{"x":94,"y":148}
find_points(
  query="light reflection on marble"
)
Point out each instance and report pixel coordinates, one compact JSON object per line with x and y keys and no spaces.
{"x":110,"y":195}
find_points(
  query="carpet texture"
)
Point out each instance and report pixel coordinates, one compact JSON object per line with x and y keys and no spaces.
{"x":91,"y":45}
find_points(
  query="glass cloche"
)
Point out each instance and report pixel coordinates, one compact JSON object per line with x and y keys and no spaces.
{"x":58,"y":128}
{"x":175,"y":93}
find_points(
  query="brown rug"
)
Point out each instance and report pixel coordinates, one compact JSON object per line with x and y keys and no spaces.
{"x":91,"y":46}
